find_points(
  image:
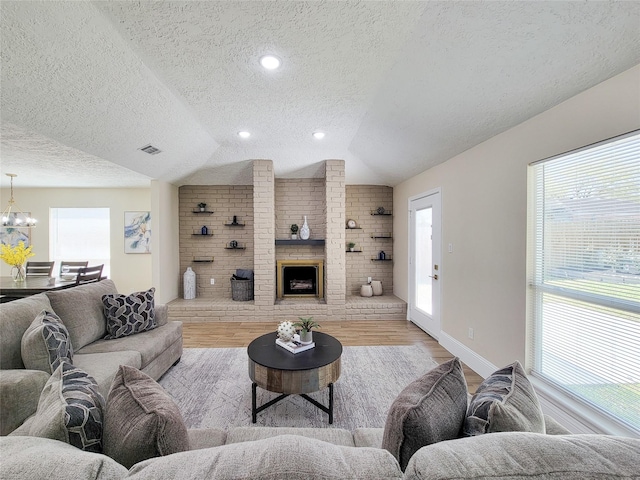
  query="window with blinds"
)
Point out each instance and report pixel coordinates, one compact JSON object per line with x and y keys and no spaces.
{"x":584,"y":213}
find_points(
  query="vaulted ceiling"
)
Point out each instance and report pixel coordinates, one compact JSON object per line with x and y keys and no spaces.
{"x":397,"y":86}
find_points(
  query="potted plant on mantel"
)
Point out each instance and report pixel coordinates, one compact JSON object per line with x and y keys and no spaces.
{"x":351,"y":246}
{"x":305,"y":325}
{"x":294,"y":231}
{"x":202,"y":206}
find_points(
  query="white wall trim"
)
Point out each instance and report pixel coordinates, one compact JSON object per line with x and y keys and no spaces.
{"x":475,"y":362}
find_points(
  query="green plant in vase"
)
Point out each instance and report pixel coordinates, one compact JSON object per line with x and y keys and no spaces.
{"x":305,"y":325}
{"x":294,"y":231}
{"x":351,"y":246}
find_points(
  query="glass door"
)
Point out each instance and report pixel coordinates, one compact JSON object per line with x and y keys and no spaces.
{"x":424,"y":262}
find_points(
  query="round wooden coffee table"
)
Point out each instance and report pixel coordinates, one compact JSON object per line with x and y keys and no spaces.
{"x":275,"y":369}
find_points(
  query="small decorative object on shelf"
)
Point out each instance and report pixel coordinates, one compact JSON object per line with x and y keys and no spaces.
{"x":286,"y":331}
{"x":233,"y":244}
{"x":380,"y":210}
{"x":382,"y":255}
{"x":202,"y":207}
{"x":305,"y":325}
{"x":351,"y":246}
{"x":351,"y":223}
{"x":305,"y":233}
{"x":294,"y":231}
{"x":366,"y":291}
{"x":204,"y":230}
{"x":235,"y":220}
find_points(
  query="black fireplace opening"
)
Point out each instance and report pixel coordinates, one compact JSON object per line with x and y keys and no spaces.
{"x":299,"y":280}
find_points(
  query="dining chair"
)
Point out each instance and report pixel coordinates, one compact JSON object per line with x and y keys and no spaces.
{"x":89,"y":274}
{"x":39,"y":269}
{"x":70,"y":269}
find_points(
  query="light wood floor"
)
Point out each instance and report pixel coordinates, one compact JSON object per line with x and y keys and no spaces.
{"x":351,"y":333}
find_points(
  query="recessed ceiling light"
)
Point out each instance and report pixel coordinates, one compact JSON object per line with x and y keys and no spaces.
{"x":244,"y":134}
{"x":318,"y":135}
{"x":270,"y":62}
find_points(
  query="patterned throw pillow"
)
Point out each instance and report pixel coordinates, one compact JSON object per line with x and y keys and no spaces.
{"x":505,"y":402}
{"x":429,"y":410}
{"x":70,"y":409}
{"x":129,"y":314}
{"x":46,"y":343}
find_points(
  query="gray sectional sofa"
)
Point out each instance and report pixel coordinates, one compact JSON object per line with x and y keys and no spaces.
{"x":152,"y":423}
{"x":81,"y":310}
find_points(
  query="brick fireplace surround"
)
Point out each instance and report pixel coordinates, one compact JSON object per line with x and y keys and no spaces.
{"x":264,"y":212}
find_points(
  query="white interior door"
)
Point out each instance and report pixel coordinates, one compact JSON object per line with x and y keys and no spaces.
{"x":424,"y":262}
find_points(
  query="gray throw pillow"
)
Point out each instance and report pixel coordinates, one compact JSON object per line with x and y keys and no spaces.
{"x":70,"y":410}
{"x":80,"y":309}
{"x":141,"y":421}
{"x":505,"y":402}
{"x":46,"y":343}
{"x":429,"y":410}
{"x":129,"y":314}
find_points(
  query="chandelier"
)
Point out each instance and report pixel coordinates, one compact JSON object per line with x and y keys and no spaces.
{"x":13,"y":217}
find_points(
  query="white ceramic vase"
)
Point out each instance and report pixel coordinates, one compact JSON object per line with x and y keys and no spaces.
{"x":189,"y":284}
{"x":376,"y":286}
{"x":366,"y":291}
{"x":304,"y":230}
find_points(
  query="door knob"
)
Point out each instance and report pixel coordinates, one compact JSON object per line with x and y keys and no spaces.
{"x":435,"y":277}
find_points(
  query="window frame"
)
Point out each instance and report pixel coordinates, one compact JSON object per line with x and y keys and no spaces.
{"x":569,"y":408}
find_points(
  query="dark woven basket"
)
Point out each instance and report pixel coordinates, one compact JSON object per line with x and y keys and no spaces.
{"x":241,"y":290}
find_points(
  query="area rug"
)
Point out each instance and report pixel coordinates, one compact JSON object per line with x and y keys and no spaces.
{"x":212,"y":389}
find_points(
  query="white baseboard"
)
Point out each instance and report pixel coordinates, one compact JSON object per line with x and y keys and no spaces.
{"x":474,"y":361}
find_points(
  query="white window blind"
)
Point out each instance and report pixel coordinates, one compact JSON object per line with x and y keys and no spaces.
{"x":584,"y":214}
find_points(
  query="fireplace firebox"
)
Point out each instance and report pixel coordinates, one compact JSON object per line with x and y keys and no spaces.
{"x":300,"y":278}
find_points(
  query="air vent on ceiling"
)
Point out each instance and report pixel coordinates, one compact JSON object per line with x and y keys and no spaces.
{"x":150,"y":149}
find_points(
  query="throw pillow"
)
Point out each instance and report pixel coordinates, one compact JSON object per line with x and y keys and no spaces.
{"x":505,"y":402}
{"x":70,"y":410}
{"x":429,"y":410}
{"x":46,"y":343}
{"x":129,"y":314}
{"x":141,"y":421}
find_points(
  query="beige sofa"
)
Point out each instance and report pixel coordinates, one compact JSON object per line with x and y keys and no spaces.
{"x":328,"y":453}
{"x":254,"y":452}
{"x":81,"y":310}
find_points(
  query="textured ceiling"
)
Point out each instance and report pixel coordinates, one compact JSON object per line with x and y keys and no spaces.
{"x":398,"y":86}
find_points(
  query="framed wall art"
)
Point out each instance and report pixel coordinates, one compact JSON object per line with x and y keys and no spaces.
{"x":137,"y":232}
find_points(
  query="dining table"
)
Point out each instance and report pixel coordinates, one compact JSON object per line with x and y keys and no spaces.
{"x":32,"y":286}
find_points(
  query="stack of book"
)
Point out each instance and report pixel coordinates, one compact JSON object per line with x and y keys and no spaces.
{"x":294,"y":346}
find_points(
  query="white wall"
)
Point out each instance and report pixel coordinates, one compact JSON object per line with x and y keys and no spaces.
{"x":484,"y":215}
{"x":130,"y":272}
{"x":166,"y":243}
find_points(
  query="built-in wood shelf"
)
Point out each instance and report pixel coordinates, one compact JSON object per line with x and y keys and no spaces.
{"x":205,"y":212}
{"x":381,"y":237}
{"x":354,"y":228}
{"x":203,"y":260}
{"x":202,"y":234}
{"x":234,"y":248}
{"x":316,"y":242}
{"x":381,"y":259}
{"x":234,"y":224}
{"x":385,"y":213}
{"x":354,"y":251}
